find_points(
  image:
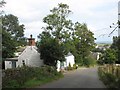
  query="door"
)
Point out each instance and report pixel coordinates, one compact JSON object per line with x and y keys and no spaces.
{"x":13,"y":64}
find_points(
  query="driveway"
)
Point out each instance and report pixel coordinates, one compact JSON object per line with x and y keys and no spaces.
{"x":80,"y":78}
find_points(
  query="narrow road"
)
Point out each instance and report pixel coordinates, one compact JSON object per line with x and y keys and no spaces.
{"x":80,"y":78}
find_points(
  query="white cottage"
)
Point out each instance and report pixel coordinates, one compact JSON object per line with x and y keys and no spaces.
{"x":29,"y":57}
{"x":69,"y":60}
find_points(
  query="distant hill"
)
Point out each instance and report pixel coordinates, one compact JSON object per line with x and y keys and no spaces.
{"x":103,"y":42}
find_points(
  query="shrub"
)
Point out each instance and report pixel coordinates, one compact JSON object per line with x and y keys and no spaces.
{"x":110,"y":79}
{"x":75,"y":66}
{"x":89,"y":61}
{"x":69,"y":67}
{"x":17,"y":77}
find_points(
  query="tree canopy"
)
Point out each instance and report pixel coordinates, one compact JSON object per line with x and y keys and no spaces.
{"x":116,"y":46}
{"x":57,"y":23}
{"x":74,"y":38}
{"x":111,"y":55}
{"x":50,"y":49}
{"x":83,"y":40}
{"x":12,"y":35}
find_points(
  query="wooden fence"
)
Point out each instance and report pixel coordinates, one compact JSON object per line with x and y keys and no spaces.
{"x":112,"y":69}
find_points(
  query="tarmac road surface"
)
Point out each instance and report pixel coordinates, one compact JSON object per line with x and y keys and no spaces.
{"x":80,"y":78}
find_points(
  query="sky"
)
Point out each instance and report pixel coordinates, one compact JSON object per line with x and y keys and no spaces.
{"x":99,"y":15}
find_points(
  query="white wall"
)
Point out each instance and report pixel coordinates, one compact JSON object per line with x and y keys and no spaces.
{"x":58,"y":66}
{"x":69,"y":59}
{"x":31,"y":57}
{"x":8,"y":64}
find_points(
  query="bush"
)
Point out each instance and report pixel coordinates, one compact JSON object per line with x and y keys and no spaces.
{"x":17,"y":77}
{"x":110,"y":79}
{"x":89,"y":61}
{"x":75,"y":66}
{"x":69,"y":67}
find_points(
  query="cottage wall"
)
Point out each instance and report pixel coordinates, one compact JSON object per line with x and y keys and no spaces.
{"x":69,"y":60}
{"x":8,"y":64}
{"x":30,"y":57}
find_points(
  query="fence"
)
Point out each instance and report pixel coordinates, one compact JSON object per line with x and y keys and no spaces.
{"x":112,"y":69}
{"x":110,"y":75}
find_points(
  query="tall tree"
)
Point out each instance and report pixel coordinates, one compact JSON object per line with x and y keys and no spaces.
{"x":57,"y":23}
{"x":76,"y":39}
{"x":83,"y":40}
{"x":50,"y":49}
{"x":12,"y":34}
{"x":115,"y":43}
{"x":116,"y":46}
{"x":2,"y":3}
{"x":109,"y":56}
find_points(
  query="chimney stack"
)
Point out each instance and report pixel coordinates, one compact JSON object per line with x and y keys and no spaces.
{"x":31,"y":41}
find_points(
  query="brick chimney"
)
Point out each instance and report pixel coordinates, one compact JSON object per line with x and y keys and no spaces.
{"x":31,"y":41}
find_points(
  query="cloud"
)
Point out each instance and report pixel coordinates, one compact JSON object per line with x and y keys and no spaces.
{"x":97,"y":14}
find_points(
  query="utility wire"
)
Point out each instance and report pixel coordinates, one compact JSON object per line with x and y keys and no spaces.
{"x":113,"y":31}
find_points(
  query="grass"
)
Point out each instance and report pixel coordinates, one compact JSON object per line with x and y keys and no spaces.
{"x":34,"y":82}
{"x":28,"y":77}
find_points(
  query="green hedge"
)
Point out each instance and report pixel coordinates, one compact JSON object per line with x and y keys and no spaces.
{"x":17,"y":77}
{"x":110,"y":76}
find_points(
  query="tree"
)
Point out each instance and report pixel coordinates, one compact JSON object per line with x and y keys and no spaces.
{"x":109,"y":56}
{"x":116,"y":46}
{"x":50,"y":49}
{"x":115,"y":43}
{"x":83,"y":40}
{"x":56,"y":35}
{"x":12,"y":35}
{"x":57,"y":24}
{"x":2,"y":3}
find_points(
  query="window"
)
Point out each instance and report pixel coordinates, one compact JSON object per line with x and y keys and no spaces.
{"x":23,"y":61}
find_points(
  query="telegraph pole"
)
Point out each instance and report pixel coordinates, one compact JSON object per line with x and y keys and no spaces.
{"x":119,"y":18}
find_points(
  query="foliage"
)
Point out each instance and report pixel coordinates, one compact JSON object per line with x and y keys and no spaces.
{"x":50,"y":50}
{"x":75,"y":66}
{"x":110,"y":76}
{"x":59,"y":27}
{"x":57,"y":23}
{"x":69,"y":67}
{"x":116,"y":46}
{"x":109,"y":57}
{"x":12,"y":35}
{"x":89,"y":61}
{"x":115,"y":43}
{"x":83,"y":40}
{"x":20,"y":77}
{"x":2,"y":2}
{"x":98,"y":50}
{"x":74,"y":38}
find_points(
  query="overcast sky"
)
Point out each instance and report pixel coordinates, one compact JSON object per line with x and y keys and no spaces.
{"x":98,"y":14}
